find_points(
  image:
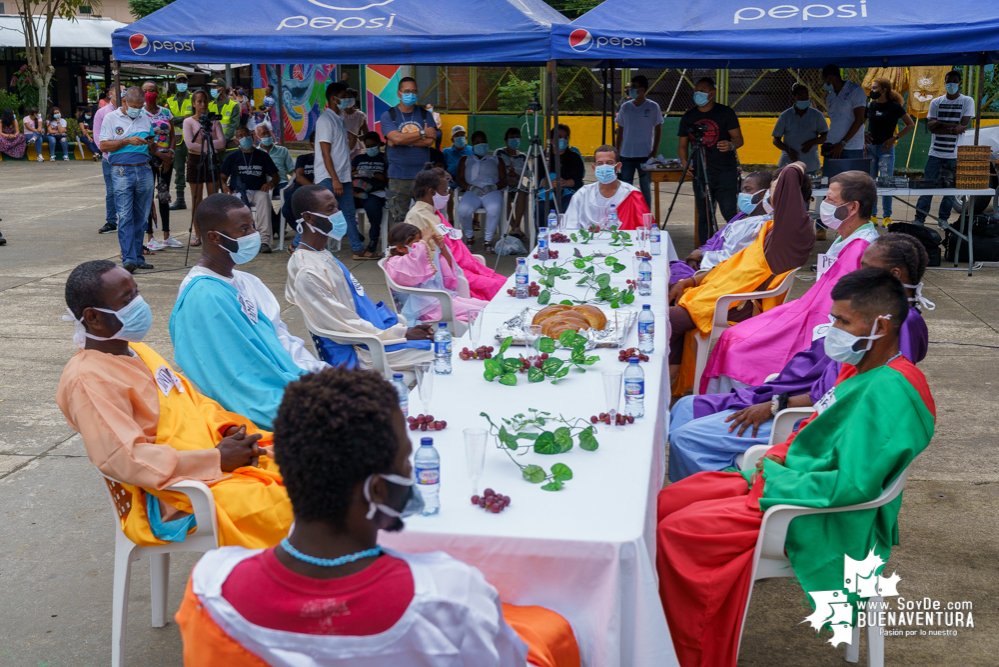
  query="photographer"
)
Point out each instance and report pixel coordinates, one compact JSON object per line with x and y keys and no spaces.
{"x":202,"y":128}
{"x":251,"y":174}
{"x":715,"y":128}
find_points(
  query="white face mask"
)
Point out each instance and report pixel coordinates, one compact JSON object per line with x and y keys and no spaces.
{"x":841,"y":345}
{"x":414,"y":502}
{"x":923,"y":302}
{"x":440,"y":201}
{"x":767,"y":206}
{"x":827,"y":213}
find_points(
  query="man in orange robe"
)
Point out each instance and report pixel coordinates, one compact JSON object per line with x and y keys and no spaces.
{"x":147,"y":427}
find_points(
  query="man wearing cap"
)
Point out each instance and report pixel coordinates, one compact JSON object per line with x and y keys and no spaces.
{"x":180,"y":106}
{"x":410,"y":132}
{"x":227,"y":108}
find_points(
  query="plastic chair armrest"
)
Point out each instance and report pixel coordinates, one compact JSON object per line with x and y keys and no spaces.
{"x":202,"y":501}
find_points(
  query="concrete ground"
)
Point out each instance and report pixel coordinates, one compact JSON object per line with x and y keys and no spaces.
{"x":57,"y":540}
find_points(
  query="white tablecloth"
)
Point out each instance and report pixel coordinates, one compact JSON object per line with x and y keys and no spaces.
{"x":587,"y":551}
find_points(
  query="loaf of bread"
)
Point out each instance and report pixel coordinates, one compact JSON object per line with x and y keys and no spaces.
{"x":593,"y":315}
{"x":569,"y":318}
{"x":549,"y":311}
{"x":559,"y":318}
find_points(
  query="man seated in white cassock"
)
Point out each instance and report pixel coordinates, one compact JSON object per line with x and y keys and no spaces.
{"x":591,"y":204}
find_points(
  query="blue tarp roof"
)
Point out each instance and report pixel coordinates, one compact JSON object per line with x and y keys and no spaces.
{"x":770,"y":34}
{"x":396,"y":32}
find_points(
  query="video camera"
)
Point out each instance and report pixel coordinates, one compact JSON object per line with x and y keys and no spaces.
{"x":206,"y":120}
{"x":697,"y":132}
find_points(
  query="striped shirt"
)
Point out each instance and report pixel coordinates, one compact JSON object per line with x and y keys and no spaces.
{"x":948,"y":111}
{"x":117,"y":126}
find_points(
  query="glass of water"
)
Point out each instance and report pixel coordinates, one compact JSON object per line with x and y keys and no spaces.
{"x":612,"y":391}
{"x":474,"y":326}
{"x":475,"y":454}
{"x":425,"y":382}
{"x":532,"y":333}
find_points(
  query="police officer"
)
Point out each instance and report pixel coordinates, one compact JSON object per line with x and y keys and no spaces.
{"x":180,"y":107}
{"x":226,"y":107}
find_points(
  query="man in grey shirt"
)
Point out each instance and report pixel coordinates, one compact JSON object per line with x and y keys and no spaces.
{"x":799,"y":131}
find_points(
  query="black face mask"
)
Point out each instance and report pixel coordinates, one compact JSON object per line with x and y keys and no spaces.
{"x":403,"y":500}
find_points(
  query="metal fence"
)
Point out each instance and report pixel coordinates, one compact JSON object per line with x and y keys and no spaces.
{"x":750,"y":92}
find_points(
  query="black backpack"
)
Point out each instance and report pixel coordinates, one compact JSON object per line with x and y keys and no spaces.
{"x":929,"y":237}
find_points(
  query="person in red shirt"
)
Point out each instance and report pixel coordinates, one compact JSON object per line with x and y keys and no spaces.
{"x":328,"y":592}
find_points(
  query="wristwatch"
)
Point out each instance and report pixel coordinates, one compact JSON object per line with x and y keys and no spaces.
{"x":423,"y":133}
{"x":778,"y":403}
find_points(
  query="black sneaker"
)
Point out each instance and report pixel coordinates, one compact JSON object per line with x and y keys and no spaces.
{"x":129,"y":266}
{"x":108,"y":228}
{"x":143,"y":264}
{"x":265,"y":249}
{"x":178,"y":205}
{"x":3,"y":241}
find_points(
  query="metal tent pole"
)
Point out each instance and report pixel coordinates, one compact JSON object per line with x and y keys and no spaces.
{"x":228,"y":76}
{"x":280,"y":103}
{"x":603,"y":116}
{"x":117,"y":82}
{"x":613,"y":101}
{"x":979,"y":87}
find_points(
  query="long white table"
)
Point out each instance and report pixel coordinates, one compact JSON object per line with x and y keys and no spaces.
{"x":587,"y":551}
{"x":964,"y":221}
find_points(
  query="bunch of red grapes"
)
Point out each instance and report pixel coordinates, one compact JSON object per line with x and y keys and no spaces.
{"x":537,"y":363}
{"x":558,"y":237}
{"x":552,"y":254}
{"x":480,"y":353}
{"x":533,"y":289}
{"x":625,"y":355}
{"x":619,"y":419}
{"x":643,"y":253}
{"x":491,"y":501}
{"x":632,"y":285}
{"x":425,"y":423}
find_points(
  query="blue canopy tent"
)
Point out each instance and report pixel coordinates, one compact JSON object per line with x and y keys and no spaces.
{"x":728,"y":34}
{"x":342,"y":31}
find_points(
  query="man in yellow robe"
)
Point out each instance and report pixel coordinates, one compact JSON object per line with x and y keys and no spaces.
{"x":147,"y":427}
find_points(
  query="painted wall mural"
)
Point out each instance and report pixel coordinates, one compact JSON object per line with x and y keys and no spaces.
{"x":304,"y":89}
{"x":381,"y":84}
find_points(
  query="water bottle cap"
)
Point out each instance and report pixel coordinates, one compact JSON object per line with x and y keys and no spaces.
{"x":543,"y":230}
{"x":396,"y":376}
{"x":646,"y":307}
{"x":633,"y":360}
{"x":521,"y":260}
{"x":426,"y":442}
{"x":442,"y":325}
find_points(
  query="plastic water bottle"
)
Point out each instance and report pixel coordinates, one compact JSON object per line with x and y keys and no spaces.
{"x":646,"y":330}
{"x":403,"y":390}
{"x":644,"y":277}
{"x":654,"y":247}
{"x":543,"y":243}
{"x":442,"y":349}
{"x":634,"y":389}
{"x":612,"y":221}
{"x":523,"y":276}
{"x":428,"y":475}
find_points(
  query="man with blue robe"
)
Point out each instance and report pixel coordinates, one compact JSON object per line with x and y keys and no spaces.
{"x":333,"y":300}
{"x":226,"y":326}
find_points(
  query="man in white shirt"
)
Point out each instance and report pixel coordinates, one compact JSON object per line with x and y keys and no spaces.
{"x":640,"y":129}
{"x":799,"y":131}
{"x":591,"y":203}
{"x":332,"y":164}
{"x":948,"y":118}
{"x":846,"y":104}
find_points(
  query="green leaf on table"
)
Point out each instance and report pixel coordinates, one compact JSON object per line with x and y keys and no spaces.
{"x":562,"y":372}
{"x":490,"y":375}
{"x":578,"y":353}
{"x":547,"y":282}
{"x":567,"y":338}
{"x":591,"y":360}
{"x":533,"y":474}
{"x":575,"y":251}
{"x":505,"y":345}
{"x":579,"y":264}
{"x":615,"y":304}
{"x":527,"y":436}
{"x":483,"y":414}
{"x":507,"y":438}
{"x":587,"y":440}
{"x":590,"y":269}
{"x":541,"y":269}
{"x":544,"y":297}
{"x":574,"y":239}
{"x":583,"y":280}
{"x":610,"y":260}
{"x":603,"y":279}
{"x":546,"y":344}
{"x":494,"y":366}
{"x":535,"y":375}
{"x":552,"y":486}
{"x":566,"y":302}
{"x":545,"y":444}
{"x":561,"y":472}
{"x":512,"y":365}
{"x":618,"y":268}
{"x":629,"y":297}
{"x":509,"y":379}
{"x":551,"y":364}
{"x":563,"y":439}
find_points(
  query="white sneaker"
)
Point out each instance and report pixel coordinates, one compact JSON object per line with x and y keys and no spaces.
{"x":171,"y":242}
{"x":41,"y":159}
{"x":66,"y":158}
{"x":155,"y":245}
{"x":52,"y":159}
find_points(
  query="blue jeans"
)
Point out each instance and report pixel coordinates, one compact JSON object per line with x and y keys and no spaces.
{"x":110,"y":210}
{"x":89,"y":143}
{"x":52,"y":144}
{"x":37,"y":138}
{"x":133,"y":197}
{"x":883,"y":165}
{"x":373,"y":206}
{"x":930,"y":173}
{"x":346,"y":204}
{"x":629,"y":165}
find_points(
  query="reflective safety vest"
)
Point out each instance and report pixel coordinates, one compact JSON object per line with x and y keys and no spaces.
{"x":178,"y":109}
{"x":226,"y":112}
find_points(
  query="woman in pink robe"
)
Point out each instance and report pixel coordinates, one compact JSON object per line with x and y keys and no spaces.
{"x":412,"y":263}
{"x":431,"y":194}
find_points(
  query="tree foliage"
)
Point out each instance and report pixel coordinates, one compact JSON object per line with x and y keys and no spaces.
{"x":142,"y":8}
{"x":573,"y":9}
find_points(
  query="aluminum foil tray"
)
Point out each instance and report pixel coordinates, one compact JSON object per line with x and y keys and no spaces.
{"x":611,"y":336}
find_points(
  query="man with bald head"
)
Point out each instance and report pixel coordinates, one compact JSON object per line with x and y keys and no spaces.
{"x":127,"y":138}
{"x":226,"y":326}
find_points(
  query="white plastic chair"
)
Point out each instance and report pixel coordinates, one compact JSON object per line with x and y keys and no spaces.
{"x":720,"y":322}
{"x":769,"y":559}
{"x":456,"y":326}
{"x":126,"y":552}
{"x":281,"y":216}
{"x":379,"y":360}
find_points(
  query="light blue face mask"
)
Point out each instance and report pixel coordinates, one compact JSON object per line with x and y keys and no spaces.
{"x":480,"y":149}
{"x":373,"y":151}
{"x":828,"y":87}
{"x":136,"y":318}
{"x":338,"y":224}
{"x":267,"y":141}
{"x":410,"y":99}
{"x":57,"y":116}
{"x":181,"y":87}
{"x":132,"y":112}
{"x":605,"y":173}
{"x":952,"y":88}
{"x":246,"y":143}
{"x":746,"y":204}
{"x":633,"y":94}
{"x":514,"y":144}
{"x":700,"y":98}
{"x":214,"y":92}
{"x":249,"y":246}
{"x":460,"y":143}
{"x":802,"y":104}
{"x":345,"y":103}
{"x":563,"y":144}
{"x":842,"y":346}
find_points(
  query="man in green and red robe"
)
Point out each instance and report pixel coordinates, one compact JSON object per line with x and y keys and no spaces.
{"x":866,"y":430}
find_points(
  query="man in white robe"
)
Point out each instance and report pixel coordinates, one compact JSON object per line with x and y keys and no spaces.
{"x":591,"y":203}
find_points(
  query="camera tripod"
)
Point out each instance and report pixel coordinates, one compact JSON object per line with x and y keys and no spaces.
{"x":697,"y":156}
{"x":206,"y":169}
